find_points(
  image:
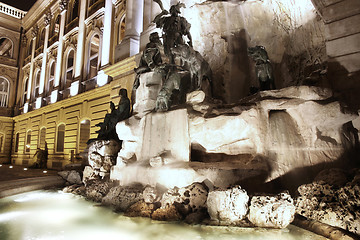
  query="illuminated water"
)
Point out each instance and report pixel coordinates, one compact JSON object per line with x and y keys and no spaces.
{"x":57,"y":215}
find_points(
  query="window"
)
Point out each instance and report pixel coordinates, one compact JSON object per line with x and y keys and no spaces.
{"x":4,"y":92}
{"x":26,"y":83}
{"x":84,"y":134}
{"x":69,"y":75}
{"x":75,"y":9}
{"x":37,"y":84}
{"x":60,"y":138}
{"x":28,"y":142}
{"x":41,"y":38}
{"x":121,"y":31}
{"x":51,"y":78}
{"x":42,"y":138}
{"x":29,"y":50}
{"x":6,"y":47}
{"x":17,"y":139}
{"x":94,"y":56}
{"x":1,"y":142}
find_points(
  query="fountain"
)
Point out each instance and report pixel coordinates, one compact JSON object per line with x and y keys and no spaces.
{"x":198,"y":147}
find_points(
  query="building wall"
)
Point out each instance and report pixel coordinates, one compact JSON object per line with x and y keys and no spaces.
{"x":6,"y":128}
{"x":342,"y":33}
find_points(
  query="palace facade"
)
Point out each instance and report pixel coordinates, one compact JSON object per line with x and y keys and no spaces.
{"x":61,"y":64}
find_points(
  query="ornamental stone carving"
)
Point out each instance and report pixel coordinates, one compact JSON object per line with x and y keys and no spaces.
{"x":24,"y":40}
{"x":34,"y":31}
{"x":47,"y":18}
{"x":63,"y":5}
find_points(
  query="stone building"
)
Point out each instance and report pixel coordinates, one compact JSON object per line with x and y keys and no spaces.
{"x":64,"y":60}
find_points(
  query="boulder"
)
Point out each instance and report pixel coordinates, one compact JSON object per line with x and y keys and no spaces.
{"x":335,"y":205}
{"x":228,"y":205}
{"x":272,"y":211}
{"x":121,"y":198}
{"x":141,"y":209}
{"x":333,"y":176}
{"x":96,"y":189}
{"x":169,"y":213}
{"x":74,"y":177}
{"x":188,"y":199}
{"x":150,"y":195}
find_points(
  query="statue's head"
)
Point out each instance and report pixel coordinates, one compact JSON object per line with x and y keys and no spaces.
{"x":258,"y":53}
{"x":175,"y":9}
{"x":154,"y":37}
{"x":123,"y":92}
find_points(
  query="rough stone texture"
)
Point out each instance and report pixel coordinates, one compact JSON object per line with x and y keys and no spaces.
{"x":195,"y":97}
{"x":121,"y":198}
{"x":191,"y":198}
{"x":336,"y":205}
{"x":272,"y":211}
{"x":101,"y":157}
{"x":279,"y":133}
{"x":169,"y":213}
{"x":72,"y":177}
{"x":75,"y":189}
{"x":333,"y":176}
{"x":141,"y":209}
{"x":147,"y":92}
{"x":229,"y":206}
{"x":96,"y":189}
{"x":296,"y":52}
{"x":150,"y":195}
{"x":154,"y":135}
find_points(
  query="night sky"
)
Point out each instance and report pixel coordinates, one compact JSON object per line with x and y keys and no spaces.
{"x":24,"y":5}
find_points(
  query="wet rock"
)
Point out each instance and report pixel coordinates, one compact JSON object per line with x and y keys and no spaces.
{"x":188,"y":199}
{"x":150,"y":195}
{"x":64,"y":174}
{"x":96,"y":190}
{"x":195,"y":97}
{"x":74,"y":177}
{"x":332,"y":176}
{"x":169,"y":213}
{"x":141,"y":209}
{"x":121,"y":198}
{"x":331,"y":204}
{"x":196,"y":217}
{"x":75,"y":189}
{"x":272,"y":211}
{"x":228,"y":206}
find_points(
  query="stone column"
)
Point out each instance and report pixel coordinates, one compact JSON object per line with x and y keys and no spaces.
{"x":151,"y":9}
{"x":102,"y":78}
{"x":63,"y":9}
{"x":34,"y":33}
{"x":134,"y":22}
{"x":47,"y":21}
{"x":81,"y":40}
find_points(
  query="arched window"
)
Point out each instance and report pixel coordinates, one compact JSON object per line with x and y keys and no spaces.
{"x":84,"y":134}
{"x":6,"y":47}
{"x":55,"y":27}
{"x":37,"y":84}
{"x":42,"y":138}
{"x":4,"y":92}
{"x":60,"y":138}
{"x":69,"y":74}
{"x":41,"y":38}
{"x":93,"y":56}
{"x":51,"y":77}
{"x":28,"y":142}
{"x":17,"y":140}
{"x":29,"y":49}
{"x":121,"y":30}
{"x":26,"y":84}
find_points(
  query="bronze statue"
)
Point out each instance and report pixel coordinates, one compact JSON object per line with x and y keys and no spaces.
{"x":263,"y":67}
{"x":150,"y":58}
{"x":107,"y":128}
{"x":174,"y":28}
{"x":193,"y":62}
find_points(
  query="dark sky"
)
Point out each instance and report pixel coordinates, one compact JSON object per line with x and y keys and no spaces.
{"x":24,"y":5}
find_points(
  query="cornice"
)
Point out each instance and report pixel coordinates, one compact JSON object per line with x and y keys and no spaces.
{"x":36,"y":12}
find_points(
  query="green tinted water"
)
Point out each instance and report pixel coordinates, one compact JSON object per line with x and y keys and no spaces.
{"x":57,"y":215}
